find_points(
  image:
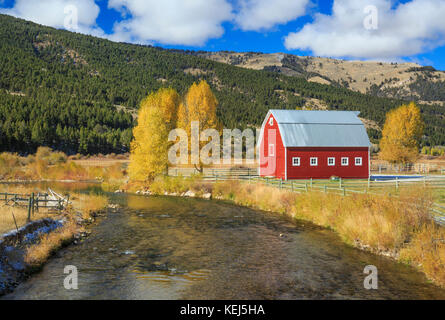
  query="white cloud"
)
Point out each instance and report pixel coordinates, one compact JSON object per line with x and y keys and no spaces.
{"x":405,"y":30}
{"x":259,"y":15}
{"x":55,"y":13}
{"x":170,"y":21}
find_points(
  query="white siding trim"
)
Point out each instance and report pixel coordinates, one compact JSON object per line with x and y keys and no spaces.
{"x":285,"y":164}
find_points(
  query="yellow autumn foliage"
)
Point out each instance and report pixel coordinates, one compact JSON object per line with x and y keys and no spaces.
{"x":199,"y":105}
{"x":401,"y":134}
{"x":149,"y":148}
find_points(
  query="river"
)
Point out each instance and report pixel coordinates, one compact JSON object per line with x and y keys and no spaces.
{"x":176,"y":248}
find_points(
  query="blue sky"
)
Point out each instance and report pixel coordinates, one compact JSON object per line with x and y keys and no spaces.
{"x":383,"y":30}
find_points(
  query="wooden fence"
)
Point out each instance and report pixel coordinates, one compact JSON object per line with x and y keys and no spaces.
{"x":339,"y":186}
{"x":34,"y":202}
{"x":420,"y":168}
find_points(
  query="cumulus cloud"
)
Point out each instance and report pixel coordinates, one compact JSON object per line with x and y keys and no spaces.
{"x":264,"y":14}
{"x":170,"y":21}
{"x":404,"y":30}
{"x":78,"y":15}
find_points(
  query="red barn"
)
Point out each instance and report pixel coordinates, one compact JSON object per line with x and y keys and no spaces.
{"x":298,"y":144}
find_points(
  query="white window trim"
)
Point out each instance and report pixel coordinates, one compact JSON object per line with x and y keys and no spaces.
{"x":361,"y":161}
{"x":271,"y":121}
{"x":316,"y":161}
{"x":296,"y":159}
{"x":347,"y":161}
{"x":271,"y":147}
{"x":333,"y":163}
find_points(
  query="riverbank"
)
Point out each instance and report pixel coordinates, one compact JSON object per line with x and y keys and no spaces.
{"x":26,"y":249}
{"x":402,"y":230}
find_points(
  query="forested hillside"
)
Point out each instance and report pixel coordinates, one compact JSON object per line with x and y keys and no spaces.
{"x":76,"y":93}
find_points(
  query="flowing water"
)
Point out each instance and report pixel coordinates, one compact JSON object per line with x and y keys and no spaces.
{"x":175,"y":248}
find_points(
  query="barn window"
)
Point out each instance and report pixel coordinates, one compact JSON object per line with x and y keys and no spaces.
{"x":271,"y":150}
{"x":296,"y":161}
{"x":314,"y":161}
{"x":271,"y":121}
{"x":345,"y":161}
{"x":358,"y":161}
{"x":331,"y":162}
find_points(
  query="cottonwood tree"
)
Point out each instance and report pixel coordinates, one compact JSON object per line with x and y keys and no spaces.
{"x":401,"y":134}
{"x":149,"y":148}
{"x":199,"y":105}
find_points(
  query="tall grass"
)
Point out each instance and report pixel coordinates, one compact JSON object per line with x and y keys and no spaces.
{"x":40,"y":252}
{"x":88,"y":204}
{"x":178,"y":185}
{"x":402,"y":228}
{"x":84,"y":205}
{"x":427,"y":251}
{"x":47,"y":164}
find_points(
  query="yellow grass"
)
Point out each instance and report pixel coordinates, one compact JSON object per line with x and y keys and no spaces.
{"x":400,"y":227}
{"x":50,"y":165}
{"x":49,"y":243}
{"x":427,"y":251}
{"x":7,"y":221}
{"x":85,"y":204}
{"x":89,"y":204}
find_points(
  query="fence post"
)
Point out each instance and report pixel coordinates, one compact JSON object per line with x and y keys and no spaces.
{"x":292,"y":186}
{"x":340,"y":183}
{"x":305,"y":186}
{"x":32,"y":203}
{"x":325,"y":189}
{"x":397,"y":183}
{"x":344,"y":191}
{"x":311,"y":183}
{"x":29,"y":210}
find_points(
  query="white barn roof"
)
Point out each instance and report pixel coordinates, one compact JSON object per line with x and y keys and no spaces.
{"x":319,"y":128}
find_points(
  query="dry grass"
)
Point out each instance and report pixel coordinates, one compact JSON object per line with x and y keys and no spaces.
{"x":177,"y":185}
{"x":49,"y":243}
{"x":7,"y":222}
{"x":88,"y":204}
{"x":381,"y":223}
{"x":378,"y":221}
{"x":427,"y":251}
{"x":7,"y":215}
{"x":50,"y":165}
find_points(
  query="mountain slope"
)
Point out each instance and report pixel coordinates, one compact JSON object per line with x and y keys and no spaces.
{"x":394,"y":80}
{"x":79,"y":93}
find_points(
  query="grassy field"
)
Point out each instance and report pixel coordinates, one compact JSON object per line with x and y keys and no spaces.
{"x":12,"y":217}
{"x":15,"y":217}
